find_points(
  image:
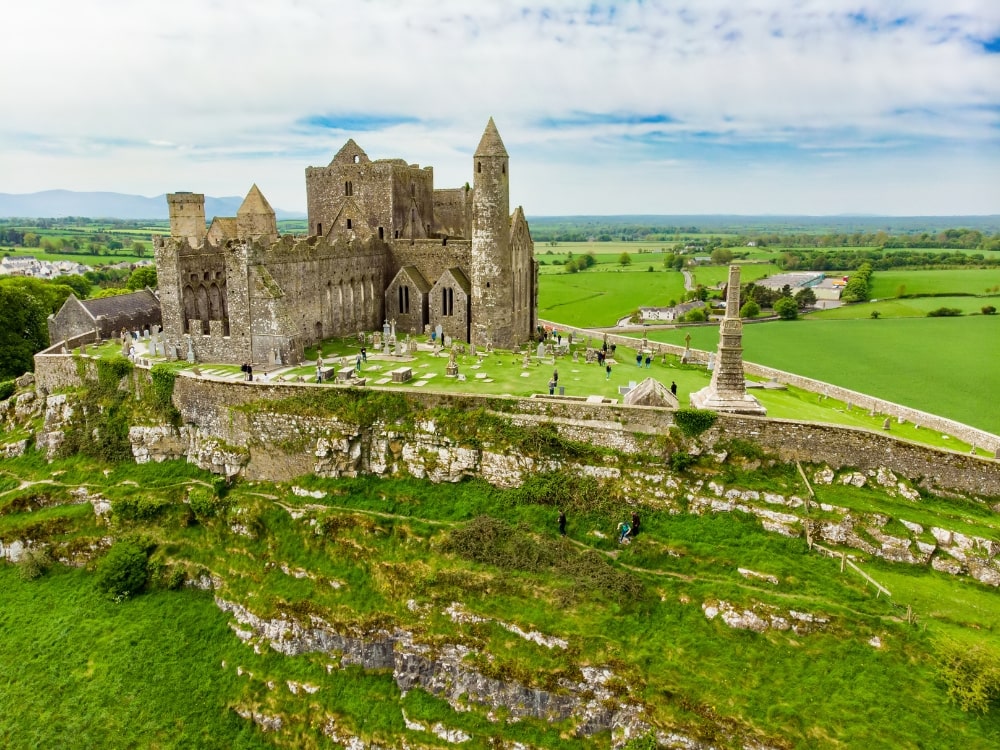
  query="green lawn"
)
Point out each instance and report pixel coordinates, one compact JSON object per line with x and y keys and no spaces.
{"x":915,"y":307}
{"x":596,"y":298}
{"x":940,"y":282}
{"x":945,"y":366}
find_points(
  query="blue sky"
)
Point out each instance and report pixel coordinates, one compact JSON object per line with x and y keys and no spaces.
{"x":758,"y":107}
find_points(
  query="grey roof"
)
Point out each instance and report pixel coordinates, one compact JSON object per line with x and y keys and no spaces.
{"x":137,"y":303}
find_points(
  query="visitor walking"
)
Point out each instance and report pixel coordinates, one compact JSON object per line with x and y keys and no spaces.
{"x":638,"y":359}
{"x":635,"y":524}
{"x":562,"y":522}
{"x":607,"y":369}
{"x":673,"y":387}
{"x":649,"y":360}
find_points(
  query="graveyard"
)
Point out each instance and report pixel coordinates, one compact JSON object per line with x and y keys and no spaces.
{"x":423,"y":363}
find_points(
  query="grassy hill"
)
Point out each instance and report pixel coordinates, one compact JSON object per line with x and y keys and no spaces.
{"x":670,"y":624}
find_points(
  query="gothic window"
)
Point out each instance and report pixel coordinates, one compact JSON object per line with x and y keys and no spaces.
{"x":404,"y":300}
{"x":479,"y":167}
{"x":413,"y":189}
{"x":348,"y":188}
{"x":319,"y":229}
{"x":447,"y":302}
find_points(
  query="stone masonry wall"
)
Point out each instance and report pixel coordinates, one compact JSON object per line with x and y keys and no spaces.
{"x":205,"y":404}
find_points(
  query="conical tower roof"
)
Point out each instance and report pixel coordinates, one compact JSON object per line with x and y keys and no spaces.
{"x":491,"y":144}
{"x":255,"y":203}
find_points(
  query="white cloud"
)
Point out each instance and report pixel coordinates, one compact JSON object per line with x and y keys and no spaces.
{"x":210,"y":96}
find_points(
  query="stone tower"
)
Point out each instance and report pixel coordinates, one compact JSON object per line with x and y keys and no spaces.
{"x":492,"y":295}
{"x":187,"y":216}
{"x":727,"y":391}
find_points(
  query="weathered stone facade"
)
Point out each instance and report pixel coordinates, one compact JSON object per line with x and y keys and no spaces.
{"x":383,"y":245}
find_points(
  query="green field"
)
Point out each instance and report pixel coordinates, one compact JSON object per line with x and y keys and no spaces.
{"x":917,"y":307}
{"x":597,"y":297}
{"x":714,"y":276}
{"x":87,"y":259}
{"x":945,"y":366}
{"x":887,"y":284}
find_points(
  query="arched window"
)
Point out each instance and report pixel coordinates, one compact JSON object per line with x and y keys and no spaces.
{"x":479,"y":167}
{"x":319,"y":229}
{"x":348,"y":188}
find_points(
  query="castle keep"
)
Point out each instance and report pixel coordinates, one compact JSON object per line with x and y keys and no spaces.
{"x":383,"y":244}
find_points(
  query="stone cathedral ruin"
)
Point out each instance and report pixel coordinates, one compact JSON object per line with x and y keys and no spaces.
{"x":383,"y":244}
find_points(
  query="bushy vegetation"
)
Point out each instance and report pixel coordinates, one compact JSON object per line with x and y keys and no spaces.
{"x":693,"y":422}
{"x":122,"y":572}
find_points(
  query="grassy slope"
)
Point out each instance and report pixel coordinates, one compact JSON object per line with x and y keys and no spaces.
{"x":160,"y":655}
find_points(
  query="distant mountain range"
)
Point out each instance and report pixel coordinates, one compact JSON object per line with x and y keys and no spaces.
{"x":52,"y":204}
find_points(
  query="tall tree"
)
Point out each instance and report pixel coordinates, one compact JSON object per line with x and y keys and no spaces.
{"x":24,"y":330}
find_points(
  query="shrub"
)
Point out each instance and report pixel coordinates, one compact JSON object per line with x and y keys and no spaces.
{"x":204,"y":503}
{"x":972,"y":675}
{"x":786,"y":308}
{"x":986,"y":310}
{"x":7,"y":388}
{"x":875,"y":314}
{"x":139,"y":507}
{"x":34,"y":563}
{"x":693,"y":422}
{"x":944,"y":312}
{"x":750,"y":309}
{"x":680,"y":460}
{"x":122,"y":571}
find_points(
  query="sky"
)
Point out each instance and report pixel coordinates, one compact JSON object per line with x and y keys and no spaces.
{"x":818,"y":107}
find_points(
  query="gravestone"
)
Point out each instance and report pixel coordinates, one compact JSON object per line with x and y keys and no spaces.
{"x":447,"y":341}
{"x":540,"y":352}
{"x":439,"y":331}
{"x":190,"y":356}
{"x":402,"y":374}
{"x":385,"y":329}
{"x":145,"y":334}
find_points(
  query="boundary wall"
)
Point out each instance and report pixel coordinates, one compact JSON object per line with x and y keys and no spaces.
{"x":972,"y":435}
{"x":205,"y":402}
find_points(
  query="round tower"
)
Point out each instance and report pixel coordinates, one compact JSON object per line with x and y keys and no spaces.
{"x":490,"y":275}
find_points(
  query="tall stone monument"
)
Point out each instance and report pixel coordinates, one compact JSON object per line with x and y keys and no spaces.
{"x":727,"y":392}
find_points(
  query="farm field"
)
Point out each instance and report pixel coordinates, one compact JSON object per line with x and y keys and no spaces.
{"x":86,"y":259}
{"x":599,"y":298}
{"x":944,"y":366}
{"x":917,"y":307}
{"x":713,"y":276}
{"x":886,"y":284}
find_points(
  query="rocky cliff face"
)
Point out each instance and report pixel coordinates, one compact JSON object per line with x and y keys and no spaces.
{"x":443,"y":670}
